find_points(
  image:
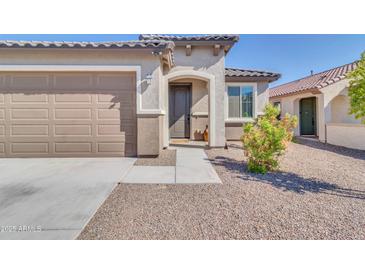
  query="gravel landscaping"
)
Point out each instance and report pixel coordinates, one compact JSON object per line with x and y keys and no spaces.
{"x":319,"y":194}
{"x":167,"y":157}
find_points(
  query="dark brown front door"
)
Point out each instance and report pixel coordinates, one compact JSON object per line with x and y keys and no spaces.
{"x":179,"y":111}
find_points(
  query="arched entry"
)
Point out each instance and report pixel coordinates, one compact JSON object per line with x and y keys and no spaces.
{"x":191,"y":74}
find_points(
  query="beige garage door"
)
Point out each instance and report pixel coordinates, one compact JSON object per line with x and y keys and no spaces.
{"x":67,"y":114}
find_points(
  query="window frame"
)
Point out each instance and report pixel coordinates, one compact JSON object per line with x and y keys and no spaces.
{"x":254,"y":101}
{"x":280,"y":108}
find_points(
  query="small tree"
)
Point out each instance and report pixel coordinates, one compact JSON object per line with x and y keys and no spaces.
{"x":266,"y":139}
{"x":357,"y":90}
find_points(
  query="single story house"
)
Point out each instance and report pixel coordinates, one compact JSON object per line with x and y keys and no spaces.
{"x":79,"y":99}
{"x":321,"y":103}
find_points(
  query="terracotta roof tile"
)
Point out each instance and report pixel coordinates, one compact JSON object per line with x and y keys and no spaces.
{"x":210,"y":37}
{"x":98,"y":45}
{"x":315,"y":81}
{"x":236,"y":72}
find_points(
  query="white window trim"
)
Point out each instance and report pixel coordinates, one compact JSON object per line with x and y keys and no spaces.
{"x":254,"y":103}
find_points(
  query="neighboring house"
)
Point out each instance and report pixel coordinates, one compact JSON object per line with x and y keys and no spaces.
{"x":74,"y":99}
{"x":321,"y":103}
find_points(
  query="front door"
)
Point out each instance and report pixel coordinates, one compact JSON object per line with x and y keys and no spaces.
{"x":308,"y":116}
{"x":179,"y":111}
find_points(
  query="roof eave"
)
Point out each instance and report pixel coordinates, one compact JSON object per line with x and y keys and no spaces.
{"x":312,"y":91}
{"x":236,"y":79}
{"x":145,"y":45}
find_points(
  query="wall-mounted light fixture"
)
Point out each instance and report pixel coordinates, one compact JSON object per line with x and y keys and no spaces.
{"x":156,"y":53}
{"x":149,"y":79}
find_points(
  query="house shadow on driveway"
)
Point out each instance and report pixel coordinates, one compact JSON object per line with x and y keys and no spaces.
{"x":287,"y":181}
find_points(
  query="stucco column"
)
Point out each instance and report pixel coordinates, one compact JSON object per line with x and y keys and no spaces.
{"x":218,"y":97}
{"x":292,"y":107}
{"x":321,"y":118}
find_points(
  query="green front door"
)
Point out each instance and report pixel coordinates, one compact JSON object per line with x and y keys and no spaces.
{"x":308,"y":116}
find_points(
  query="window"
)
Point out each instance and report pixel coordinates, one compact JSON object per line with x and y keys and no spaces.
{"x":240,"y":101}
{"x":278,"y":105}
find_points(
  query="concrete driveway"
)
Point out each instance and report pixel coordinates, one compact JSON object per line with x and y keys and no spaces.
{"x":54,"y":198}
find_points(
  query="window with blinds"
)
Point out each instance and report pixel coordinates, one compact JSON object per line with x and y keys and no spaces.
{"x":240,"y":101}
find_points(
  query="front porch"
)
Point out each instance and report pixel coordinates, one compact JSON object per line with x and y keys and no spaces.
{"x":188,"y":143}
{"x":190,"y":110}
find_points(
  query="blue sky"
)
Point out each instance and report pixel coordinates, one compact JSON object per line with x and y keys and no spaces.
{"x":294,"y":56}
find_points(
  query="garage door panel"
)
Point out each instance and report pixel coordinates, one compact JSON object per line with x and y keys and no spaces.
{"x":116,"y":129}
{"x":106,"y":98}
{"x":111,"y":147}
{"x":29,"y":98}
{"x":28,"y":138}
{"x":28,"y":122}
{"x":123,"y":113}
{"x":125,"y":82}
{"x":75,"y":81}
{"x":111,"y":138}
{"x":29,"y":105}
{"x":72,"y":130}
{"x":29,"y":113}
{"x":74,"y":106}
{"x":29,"y":130}
{"x":82,"y":147}
{"x":29,"y":147}
{"x":74,"y":138}
{"x":73,"y":98}
{"x":67,"y":114}
{"x":109,"y":130}
{"x":120,"y":99}
{"x":108,"y":114}
{"x":70,"y":113}
{"x":29,"y":82}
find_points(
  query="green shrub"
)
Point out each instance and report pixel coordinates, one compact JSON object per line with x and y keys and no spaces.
{"x":357,"y":90}
{"x":266,"y":139}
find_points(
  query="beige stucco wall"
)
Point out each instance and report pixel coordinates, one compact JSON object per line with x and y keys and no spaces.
{"x":340,"y":106}
{"x":202,"y":59}
{"x":234,"y":131}
{"x":262,"y":97}
{"x":149,"y":128}
{"x":347,"y":135}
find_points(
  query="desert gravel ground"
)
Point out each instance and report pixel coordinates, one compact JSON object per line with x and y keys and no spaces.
{"x":319,"y":194}
{"x":167,"y":157}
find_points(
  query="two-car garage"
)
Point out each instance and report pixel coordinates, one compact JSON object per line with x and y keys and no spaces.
{"x":68,"y":114}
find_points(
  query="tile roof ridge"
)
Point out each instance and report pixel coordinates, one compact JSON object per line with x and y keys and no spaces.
{"x":315,"y":74}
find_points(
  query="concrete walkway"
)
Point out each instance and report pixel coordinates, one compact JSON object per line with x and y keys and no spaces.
{"x":192,"y":167}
